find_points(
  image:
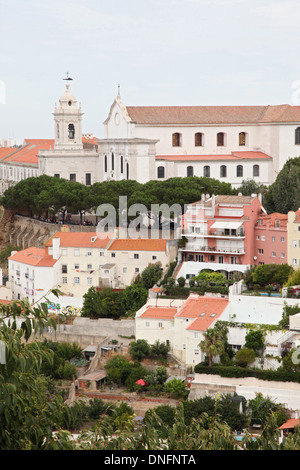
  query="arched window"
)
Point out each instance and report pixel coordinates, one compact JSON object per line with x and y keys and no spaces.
{"x":176,"y":139}
{"x":242,"y":138}
{"x":239,"y":171}
{"x":206,"y":171}
{"x":121,"y":164}
{"x":71,"y":131}
{"x":198,"y":139}
{"x":105,"y":164}
{"x":297,"y":136}
{"x":112,"y":162}
{"x":255,"y":170}
{"x":223,"y":171}
{"x":127,"y":171}
{"x":220,"y":139}
{"x":190,"y":171}
{"x":161,"y":172}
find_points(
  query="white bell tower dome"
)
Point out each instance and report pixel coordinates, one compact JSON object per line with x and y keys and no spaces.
{"x":68,"y":122}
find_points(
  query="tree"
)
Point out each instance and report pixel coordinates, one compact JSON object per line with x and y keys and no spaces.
{"x":254,"y":340}
{"x":244,"y":357}
{"x":139,"y":349}
{"x":134,"y":297}
{"x":212,"y":344}
{"x":27,"y":415}
{"x":105,"y":303}
{"x":151,"y":275}
{"x":284,"y":193}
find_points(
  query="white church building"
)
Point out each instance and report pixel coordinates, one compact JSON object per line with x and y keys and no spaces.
{"x":229,"y":143}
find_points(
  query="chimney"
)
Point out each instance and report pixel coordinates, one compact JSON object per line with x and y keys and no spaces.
{"x":55,"y":247}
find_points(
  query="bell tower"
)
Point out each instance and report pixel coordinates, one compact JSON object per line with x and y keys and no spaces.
{"x":68,"y":121}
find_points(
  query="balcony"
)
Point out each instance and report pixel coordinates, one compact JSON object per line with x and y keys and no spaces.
{"x":222,"y":234}
{"x":212,"y":250}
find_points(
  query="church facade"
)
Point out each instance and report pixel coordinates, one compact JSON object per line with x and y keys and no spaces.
{"x":229,"y":143}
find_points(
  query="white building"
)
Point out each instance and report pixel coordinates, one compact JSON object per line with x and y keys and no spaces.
{"x":229,"y":143}
{"x":32,"y":273}
{"x":76,"y":261}
{"x":180,"y":323}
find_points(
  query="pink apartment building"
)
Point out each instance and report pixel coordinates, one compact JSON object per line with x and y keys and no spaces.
{"x":271,"y":236}
{"x":220,"y":235}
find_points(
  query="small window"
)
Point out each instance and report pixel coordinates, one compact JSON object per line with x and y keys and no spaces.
{"x":198,"y":139}
{"x":121,"y":164}
{"x":73,"y":177}
{"x":297,"y":136}
{"x":89,"y":281}
{"x":105,"y":164}
{"x":220,"y":139}
{"x":137,"y":270}
{"x":65,"y":280}
{"x":76,"y":280}
{"x":136,"y":256}
{"x":206,"y":171}
{"x":113,"y":255}
{"x":76,"y":252}
{"x":255,"y":170}
{"x":223,"y":171}
{"x":161,"y":172}
{"x":71,"y":131}
{"x":112,"y":162}
{"x":176,"y":139}
{"x":64,"y":269}
{"x":242,"y":138}
{"x":190,"y":171}
{"x":239,"y":171}
{"x":88,"y":179}
{"x":56,"y":175}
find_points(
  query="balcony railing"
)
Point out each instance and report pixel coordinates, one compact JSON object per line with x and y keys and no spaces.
{"x":216,"y":234}
{"x":206,"y":249}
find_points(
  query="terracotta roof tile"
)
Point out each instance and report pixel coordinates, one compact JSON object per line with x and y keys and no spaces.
{"x":212,"y":114}
{"x":204,"y":310}
{"x":129,"y":244}
{"x":290,"y":424}
{"x":79,"y":240}
{"x":162,"y":313}
{"x":34,"y":257}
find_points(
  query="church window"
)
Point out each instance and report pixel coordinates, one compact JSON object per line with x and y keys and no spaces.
{"x":57,"y":175}
{"x":88,"y":179}
{"x":242,"y":138}
{"x":176,"y":139}
{"x":297,"y":136}
{"x":239,"y":170}
{"x":127,"y":171}
{"x":190,"y":171}
{"x":72,"y":177}
{"x":121,"y":164}
{"x":57,"y":130}
{"x":198,"y":139}
{"x":105,"y":164}
{"x":223,"y":171}
{"x":71,"y":130}
{"x":255,"y":170}
{"x":112,"y":162}
{"x":161,"y":172}
{"x":206,"y":171}
{"x":220,"y":139}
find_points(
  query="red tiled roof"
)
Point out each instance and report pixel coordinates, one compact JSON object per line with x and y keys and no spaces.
{"x":233,"y":156}
{"x":290,"y":424}
{"x":205,"y":311}
{"x":140,"y":244}
{"x":197,"y":115}
{"x":163,"y":313}
{"x":79,"y":240}
{"x":34,"y":257}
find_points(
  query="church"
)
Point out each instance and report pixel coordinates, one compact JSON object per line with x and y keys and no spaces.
{"x":229,"y":143}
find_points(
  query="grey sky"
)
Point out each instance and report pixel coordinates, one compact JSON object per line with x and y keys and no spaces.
{"x":162,"y":52}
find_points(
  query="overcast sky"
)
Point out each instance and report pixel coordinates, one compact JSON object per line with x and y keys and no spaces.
{"x":162,"y":52}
